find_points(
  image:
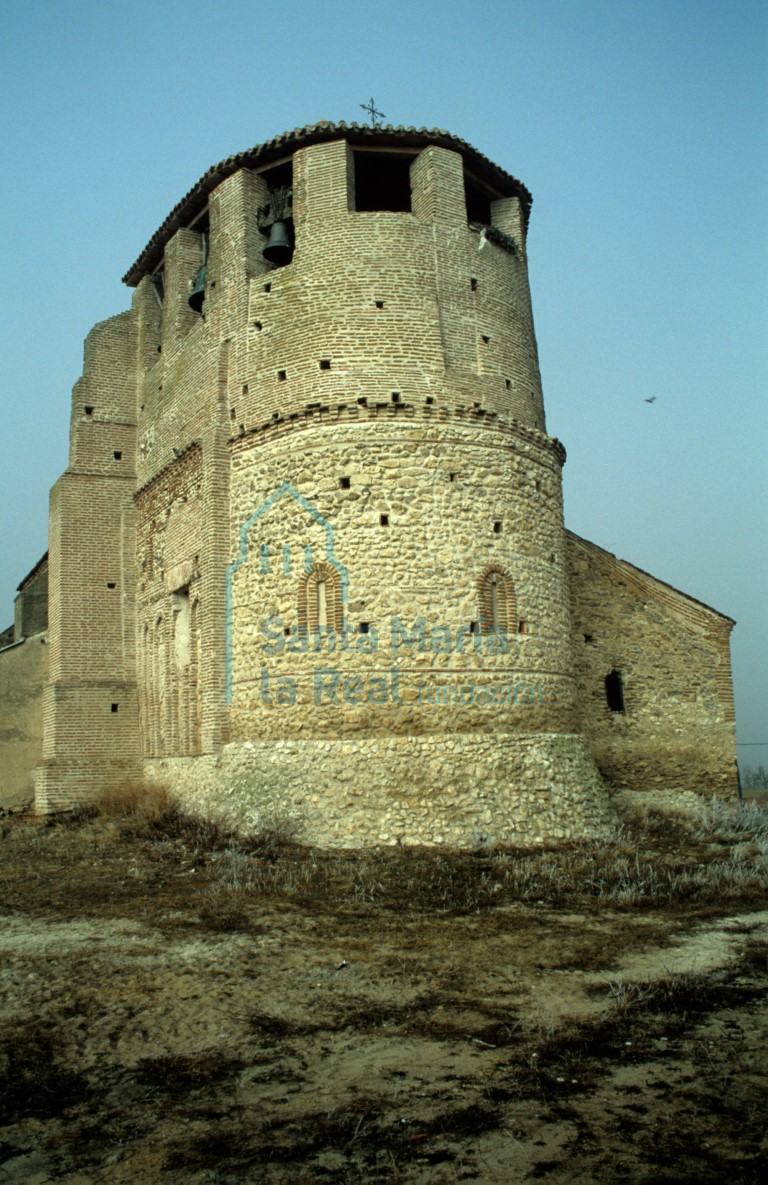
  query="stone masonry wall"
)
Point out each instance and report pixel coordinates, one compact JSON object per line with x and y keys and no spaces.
{"x":23,"y":671}
{"x":410,"y":511}
{"x":677,"y":732}
{"x":463,"y":790}
{"x":308,"y":556}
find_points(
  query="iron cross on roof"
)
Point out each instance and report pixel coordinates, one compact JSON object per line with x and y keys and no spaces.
{"x":376,"y":116}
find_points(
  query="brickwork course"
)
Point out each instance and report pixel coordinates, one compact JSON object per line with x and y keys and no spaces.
{"x":308,"y":560}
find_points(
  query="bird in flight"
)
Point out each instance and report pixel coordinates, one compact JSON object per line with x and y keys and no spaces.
{"x":651,"y":400}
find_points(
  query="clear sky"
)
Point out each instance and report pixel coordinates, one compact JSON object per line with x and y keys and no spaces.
{"x":641,"y":127}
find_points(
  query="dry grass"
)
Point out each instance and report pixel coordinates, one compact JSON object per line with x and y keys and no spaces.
{"x":182,"y":1052}
{"x":716,"y":856}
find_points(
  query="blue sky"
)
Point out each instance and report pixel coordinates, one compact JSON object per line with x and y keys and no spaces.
{"x":641,"y":128}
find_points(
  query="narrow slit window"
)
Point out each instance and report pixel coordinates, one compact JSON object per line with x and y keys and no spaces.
{"x":384,"y":520}
{"x":473,"y":283}
{"x":281,"y":376}
{"x":614,"y":692}
{"x":497,"y":528}
{"x":113,"y":707}
{"x":395,"y":396}
{"x":322,"y":605}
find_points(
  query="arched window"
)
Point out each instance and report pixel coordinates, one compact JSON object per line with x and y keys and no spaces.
{"x":497,"y":606}
{"x":320,"y":604}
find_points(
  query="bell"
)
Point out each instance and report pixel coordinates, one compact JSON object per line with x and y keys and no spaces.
{"x":198,"y":292}
{"x":279,"y":249}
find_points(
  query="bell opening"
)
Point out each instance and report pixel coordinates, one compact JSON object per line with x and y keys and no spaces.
{"x":279,"y":247}
{"x":197,"y":296}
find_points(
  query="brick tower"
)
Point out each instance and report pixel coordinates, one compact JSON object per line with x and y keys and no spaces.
{"x":308,"y":556}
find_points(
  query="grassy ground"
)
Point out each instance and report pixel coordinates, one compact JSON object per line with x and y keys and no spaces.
{"x":178,"y":1005}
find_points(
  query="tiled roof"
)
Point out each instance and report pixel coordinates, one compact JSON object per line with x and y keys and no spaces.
{"x":357,"y":134}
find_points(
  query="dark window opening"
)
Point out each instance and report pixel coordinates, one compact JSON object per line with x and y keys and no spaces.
{"x":257,"y":325}
{"x":522,"y":627}
{"x":118,"y":456}
{"x":113,"y":707}
{"x":451,"y":476}
{"x":363,"y":401}
{"x":111,"y":584}
{"x":473,"y":283}
{"x":233,"y":413}
{"x":474,"y":627}
{"x":485,"y":338}
{"x":325,"y":364}
{"x":287,"y":631}
{"x":497,"y":528}
{"x":88,"y":411}
{"x":365,"y":627}
{"x":344,"y":483}
{"x":614,"y":691}
{"x":245,"y":388}
{"x":478,"y":203}
{"x":379,"y":304}
{"x":589,"y":639}
{"x":395,"y":396}
{"x":201,"y":225}
{"x":281,"y":374}
{"x":508,"y":384}
{"x":384,"y":520}
{"x":279,"y":176}
{"x":267,"y":287}
{"x":429,"y":400}
{"x":382,"y":181}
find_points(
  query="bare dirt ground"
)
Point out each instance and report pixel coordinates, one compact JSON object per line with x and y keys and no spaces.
{"x":180,"y":1007}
